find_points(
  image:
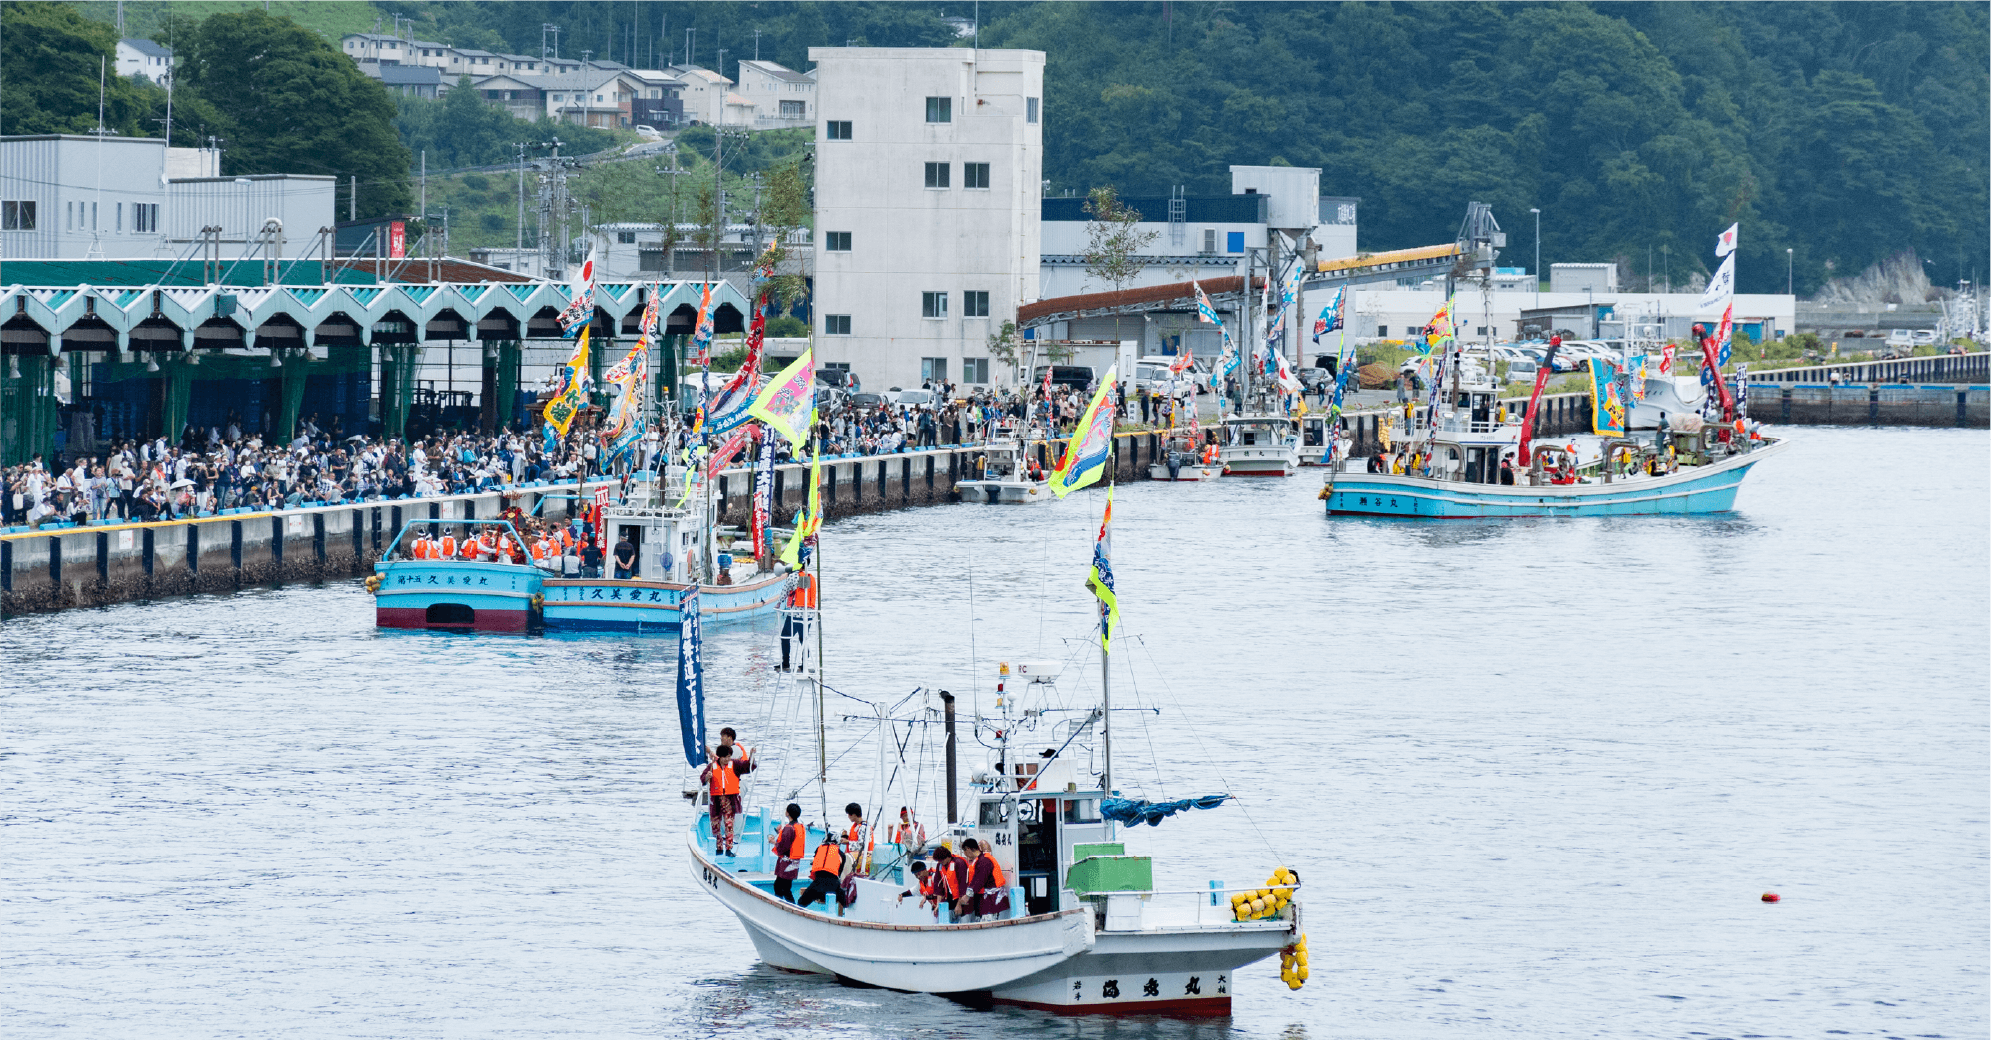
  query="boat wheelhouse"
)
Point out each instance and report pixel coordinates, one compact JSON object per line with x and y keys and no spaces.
{"x":1260,"y":445}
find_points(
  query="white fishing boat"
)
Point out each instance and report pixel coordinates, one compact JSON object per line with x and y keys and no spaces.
{"x":1004,"y":472}
{"x":1070,"y":920}
{"x":1260,"y":445}
{"x":1184,"y":460}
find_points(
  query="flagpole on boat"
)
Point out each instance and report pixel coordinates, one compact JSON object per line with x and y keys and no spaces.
{"x":1105,"y":674}
{"x":822,"y":738}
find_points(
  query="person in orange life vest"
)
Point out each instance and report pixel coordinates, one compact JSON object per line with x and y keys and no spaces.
{"x":789,"y":848}
{"x":722,"y":782}
{"x":420,"y":550}
{"x":908,"y":833}
{"x":952,"y":874}
{"x":801,"y":598}
{"x":924,"y":884}
{"x":826,"y":873}
{"x":988,"y":892}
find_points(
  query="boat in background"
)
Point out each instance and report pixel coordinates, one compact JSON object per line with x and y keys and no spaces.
{"x":454,"y":594}
{"x":1184,"y":460}
{"x":1005,"y":473}
{"x":1260,"y":445}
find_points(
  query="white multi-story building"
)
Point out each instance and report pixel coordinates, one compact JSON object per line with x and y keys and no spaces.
{"x":929,"y":163}
{"x":709,"y":98}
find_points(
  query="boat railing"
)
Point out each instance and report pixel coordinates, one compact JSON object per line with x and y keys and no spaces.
{"x":1612,"y":448}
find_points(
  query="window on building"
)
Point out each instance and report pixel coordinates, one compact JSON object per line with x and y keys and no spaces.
{"x":974,"y":175}
{"x":625,"y":237}
{"x":1030,"y":110}
{"x":1234,"y":242}
{"x":933,"y":369}
{"x":838,"y":129}
{"x":974,"y":370}
{"x":17,"y":216}
{"x":933,"y":305}
{"x":940,"y":110}
{"x":836,"y":241}
{"x":974,"y":304}
{"x":836,"y":325}
{"x":792,"y":110}
{"x":649,"y":260}
{"x":938,"y":174}
{"x":1382,"y":330}
{"x":145,"y":216}
{"x":1209,"y":240}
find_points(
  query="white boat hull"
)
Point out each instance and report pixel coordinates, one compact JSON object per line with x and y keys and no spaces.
{"x":1260,"y":460}
{"x":1186,"y":472}
{"x":973,"y":956}
{"x":1173,"y":970}
{"x":1003,"y":492}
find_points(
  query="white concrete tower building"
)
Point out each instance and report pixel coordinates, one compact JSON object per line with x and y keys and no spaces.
{"x":929,"y":167}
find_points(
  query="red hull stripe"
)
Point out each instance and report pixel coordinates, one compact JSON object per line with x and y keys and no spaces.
{"x":1216,"y":1006}
{"x":488,"y":621}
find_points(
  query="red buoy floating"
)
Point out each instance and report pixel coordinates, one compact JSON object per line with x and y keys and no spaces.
{"x":1771,"y":898}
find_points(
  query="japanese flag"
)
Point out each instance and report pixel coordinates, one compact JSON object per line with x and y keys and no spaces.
{"x":1724,"y":244}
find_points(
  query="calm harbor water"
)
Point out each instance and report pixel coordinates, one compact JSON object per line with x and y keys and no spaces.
{"x":1535,"y":774}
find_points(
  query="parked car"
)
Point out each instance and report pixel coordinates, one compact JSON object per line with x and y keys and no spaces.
{"x":833,"y":378}
{"x":866,"y":400}
{"x":915,"y":398}
{"x":1073,"y":377}
{"x":1925,"y":337}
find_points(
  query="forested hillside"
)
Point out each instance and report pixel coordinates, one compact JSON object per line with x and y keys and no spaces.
{"x":1844,"y":132}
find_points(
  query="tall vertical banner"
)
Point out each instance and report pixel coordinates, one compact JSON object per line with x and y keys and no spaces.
{"x":1607,"y":406}
{"x":581,"y":308}
{"x":690,"y":679}
{"x":789,"y":401}
{"x":569,"y":397}
{"x":1091,"y":445}
{"x":763,"y":494}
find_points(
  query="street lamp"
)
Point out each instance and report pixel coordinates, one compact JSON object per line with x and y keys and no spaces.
{"x":1536,"y":210}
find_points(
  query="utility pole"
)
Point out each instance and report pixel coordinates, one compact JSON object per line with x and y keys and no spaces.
{"x":1536,"y":210}
{"x":521,"y":199}
{"x":756,"y":44}
{"x":690,"y":44}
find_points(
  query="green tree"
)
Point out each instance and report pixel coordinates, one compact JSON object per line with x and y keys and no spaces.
{"x":1113,"y":238}
{"x":53,"y":57}
{"x":295,"y":104}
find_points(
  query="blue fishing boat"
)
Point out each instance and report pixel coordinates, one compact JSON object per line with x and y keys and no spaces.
{"x":415,"y":590}
{"x":1691,"y":489}
{"x":675,"y":553}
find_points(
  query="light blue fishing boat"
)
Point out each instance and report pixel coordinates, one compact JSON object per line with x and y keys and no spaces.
{"x":1691,"y":489}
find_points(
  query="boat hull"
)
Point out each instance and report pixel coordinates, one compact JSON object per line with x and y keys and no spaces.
{"x":457,"y":596}
{"x":971,"y":956}
{"x":1006,"y":493}
{"x":1257,"y":461}
{"x":638,"y":605}
{"x":1184,"y":972}
{"x":1187,"y":472}
{"x":1692,"y":491}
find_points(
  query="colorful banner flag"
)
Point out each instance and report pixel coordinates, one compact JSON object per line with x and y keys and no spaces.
{"x":1607,"y":408}
{"x":1443,"y":325}
{"x":1100,"y":580}
{"x":1227,"y":360}
{"x":1091,"y":445}
{"x":809,"y":519}
{"x":1666,"y":354}
{"x":1742,"y":392}
{"x":581,"y":307}
{"x":701,"y":335}
{"x":789,"y":402}
{"x":722,"y":456}
{"x":1330,"y":316}
{"x":1724,"y":334}
{"x":1638,"y":378}
{"x":756,"y":337}
{"x":1187,"y":359}
{"x":570,"y":396}
{"x":690,"y":679}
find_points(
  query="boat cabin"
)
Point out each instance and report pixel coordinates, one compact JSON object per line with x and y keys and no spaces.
{"x":666,"y":536}
{"x":1039,"y":828}
{"x":1259,"y":430}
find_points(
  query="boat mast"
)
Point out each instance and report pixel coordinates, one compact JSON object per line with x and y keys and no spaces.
{"x":822,"y":739}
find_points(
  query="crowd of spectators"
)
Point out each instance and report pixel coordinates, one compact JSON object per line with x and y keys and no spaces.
{"x":221,"y":467}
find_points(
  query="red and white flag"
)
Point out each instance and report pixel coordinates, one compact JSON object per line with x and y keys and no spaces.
{"x":1724,"y":244}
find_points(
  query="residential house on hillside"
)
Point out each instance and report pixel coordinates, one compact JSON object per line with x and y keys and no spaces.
{"x":412,"y":80}
{"x":591,"y":97}
{"x":523,"y":96}
{"x":146,"y":58}
{"x":709,"y":98}
{"x":659,"y":102}
{"x":781,"y":96}
{"x":377,"y":47}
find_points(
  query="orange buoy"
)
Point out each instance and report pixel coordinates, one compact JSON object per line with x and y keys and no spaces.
{"x":1771,"y":898}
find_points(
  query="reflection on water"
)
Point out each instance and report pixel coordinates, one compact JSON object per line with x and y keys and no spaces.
{"x":1536,"y":775}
